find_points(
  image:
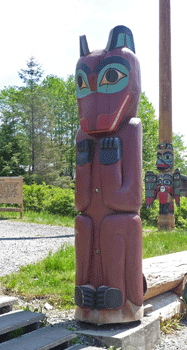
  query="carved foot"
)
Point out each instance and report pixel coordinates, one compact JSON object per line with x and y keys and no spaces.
{"x":108,"y":298}
{"x":85,"y":296}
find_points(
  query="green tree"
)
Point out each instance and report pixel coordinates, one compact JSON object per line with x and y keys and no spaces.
{"x":32,"y":103}
{"x":150,"y":127}
{"x":12,"y":157}
{"x":70,"y":112}
{"x":61,"y":98}
{"x":180,"y":153}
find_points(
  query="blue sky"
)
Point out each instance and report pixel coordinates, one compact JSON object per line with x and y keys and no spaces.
{"x":49,"y":30}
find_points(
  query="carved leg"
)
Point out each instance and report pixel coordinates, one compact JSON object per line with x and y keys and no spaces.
{"x":134,"y":276}
{"x":84,"y":292}
{"x":121,"y":250}
{"x":120,"y":298}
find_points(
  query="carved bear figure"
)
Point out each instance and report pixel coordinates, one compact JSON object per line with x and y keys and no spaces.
{"x":108,"y":195}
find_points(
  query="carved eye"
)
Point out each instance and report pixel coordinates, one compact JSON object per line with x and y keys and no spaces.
{"x":168,"y":157}
{"x":81,"y":82}
{"x":159,"y":156}
{"x":167,"y":182}
{"x":112,"y":76}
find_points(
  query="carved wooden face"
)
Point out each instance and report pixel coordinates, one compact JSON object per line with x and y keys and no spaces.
{"x":165,"y":183}
{"x":165,"y":157}
{"x":108,"y":83}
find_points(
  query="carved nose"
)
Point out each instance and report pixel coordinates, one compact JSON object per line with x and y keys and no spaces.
{"x":92,"y":79}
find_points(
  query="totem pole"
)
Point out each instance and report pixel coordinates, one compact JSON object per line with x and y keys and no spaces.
{"x":168,"y":184}
{"x":108,"y":194}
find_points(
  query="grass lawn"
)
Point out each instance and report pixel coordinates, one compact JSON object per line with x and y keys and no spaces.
{"x":163,"y":242}
{"x":39,"y":218}
{"x":53,"y":278}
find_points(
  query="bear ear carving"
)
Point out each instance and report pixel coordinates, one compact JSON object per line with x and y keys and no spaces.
{"x":84,"y":50}
{"x":120,"y":36}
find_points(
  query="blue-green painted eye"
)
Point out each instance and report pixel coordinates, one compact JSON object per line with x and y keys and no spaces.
{"x":82,"y":85}
{"x":168,"y":157}
{"x":112,"y":78}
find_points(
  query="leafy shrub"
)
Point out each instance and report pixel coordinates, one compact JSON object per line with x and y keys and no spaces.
{"x":62,"y":202}
{"x":56,"y":200}
{"x":181,"y":213}
{"x":34,"y":196}
{"x":48,"y":198}
{"x":150,"y":216}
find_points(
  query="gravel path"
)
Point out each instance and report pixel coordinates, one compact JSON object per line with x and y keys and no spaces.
{"x":23,"y":243}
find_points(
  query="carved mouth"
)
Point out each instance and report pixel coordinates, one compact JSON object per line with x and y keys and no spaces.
{"x":107,"y":122}
{"x":161,"y":166}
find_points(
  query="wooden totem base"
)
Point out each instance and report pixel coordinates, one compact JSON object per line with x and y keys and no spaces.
{"x":128,"y":313}
{"x":166,"y":222}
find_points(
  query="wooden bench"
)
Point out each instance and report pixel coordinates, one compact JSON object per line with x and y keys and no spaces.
{"x":11,"y":192}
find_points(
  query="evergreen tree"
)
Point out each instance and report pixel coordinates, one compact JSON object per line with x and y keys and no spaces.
{"x":12,"y":155}
{"x":31,"y":102}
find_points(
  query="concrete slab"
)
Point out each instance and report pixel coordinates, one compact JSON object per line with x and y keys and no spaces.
{"x":165,"y":305}
{"x":44,"y":338}
{"x":140,"y":335}
{"x":5,"y":301}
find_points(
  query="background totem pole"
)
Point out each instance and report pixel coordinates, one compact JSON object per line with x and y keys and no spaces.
{"x":168,"y":184}
{"x":108,"y":232}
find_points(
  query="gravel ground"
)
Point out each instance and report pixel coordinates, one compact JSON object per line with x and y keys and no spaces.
{"x":23,"y":243}
{"x":176,"y":340}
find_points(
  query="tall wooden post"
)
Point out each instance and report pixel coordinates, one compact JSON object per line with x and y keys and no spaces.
{"x":166,"y":221}
{"x":168,"y":184}
{"x":165,"y":90}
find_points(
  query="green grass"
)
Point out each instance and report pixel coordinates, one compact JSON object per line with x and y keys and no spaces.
{"x":171,"y":325}
{"x":53,"y":278}
{"x":163,"y":242}
{"x":39,"y":218}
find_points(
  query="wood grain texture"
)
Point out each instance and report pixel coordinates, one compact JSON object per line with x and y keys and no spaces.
{"x":164,"y":273}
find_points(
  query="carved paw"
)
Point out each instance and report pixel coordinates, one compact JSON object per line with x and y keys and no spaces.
{"x":84,"y":152}
{"x":85,"y":296}
{"x":110,"y":150}
{"x":108,"y":298}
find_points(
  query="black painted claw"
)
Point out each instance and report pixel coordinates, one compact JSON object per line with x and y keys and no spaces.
{"x":110,"y":150}
{"x":84,"y":152}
